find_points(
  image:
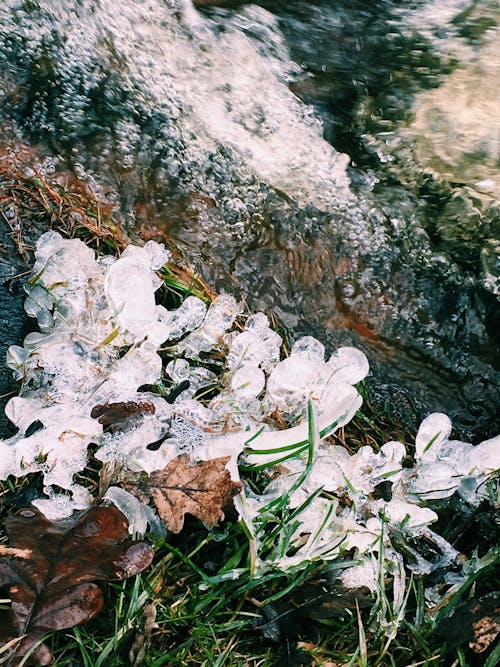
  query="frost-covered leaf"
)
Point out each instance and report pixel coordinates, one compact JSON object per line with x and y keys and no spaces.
{"x":183,"y":487}
{"x":52,"y":584}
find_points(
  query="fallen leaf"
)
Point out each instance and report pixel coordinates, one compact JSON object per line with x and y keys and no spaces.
{"x":115,"y":413}
{"x":485,"y":623}
{"x":476,"y":621}
{"x":53,"y":588}
{"x":183,"y":487}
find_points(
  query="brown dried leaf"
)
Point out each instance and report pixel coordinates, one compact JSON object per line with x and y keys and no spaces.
{"x":485,"y":623}
{"x":115,"y":413}
{"x":182,"y":487}
{"x":476,"y":621}
{"x":53,"y":588}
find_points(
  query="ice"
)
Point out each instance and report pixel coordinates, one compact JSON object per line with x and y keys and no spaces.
{"x":178,"y":370}
{"x":431,"y":481}
{"x":187,"y":317}
{"x":363,"y":538}
{"x":257,"y":321}
{"x":433,"y":431}
{"x":23,"y":411}
{"x":198,"y":378}
{"x":348,"y":365}
{"x":246,"y":348}
{"x":293,"y":381}
{"x":62,"y":267}
{"x":74,"y":364}
{"x":39,"y":300}
{"x":141,"y":365}
{"x":445,"y":466}
{"x":130,"y":293}
{"x":339,"y":411}
{"x":194,"y":412}
{"x":219,"y":318}
{"x":138,"y":515}
{"x":327,"y":473}
{"x":158,"y":255}
{"x":227,"y":444}
{"x":305,"y":375}
{"x":456,"y":454}
{"x":59,"y":506}
{"x":128,"y":447}
{"x":258,"y":325}
{"x":365,"y":575}
{"x":248,"y":381}
{"x":485,"y":457}
{"x":100,"y":338}
{"x":309,"y":347}
{"x":404,"y":513}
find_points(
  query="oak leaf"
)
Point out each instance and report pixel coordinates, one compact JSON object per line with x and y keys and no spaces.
{"x":50,"y":581}
{"x":201,"y":489}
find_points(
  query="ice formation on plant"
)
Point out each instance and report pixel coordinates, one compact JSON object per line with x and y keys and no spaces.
{"x":100,"y":330}
{"x":100,"y":334}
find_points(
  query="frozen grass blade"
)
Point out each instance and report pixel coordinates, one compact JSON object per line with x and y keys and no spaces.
{"x":363,"y":651}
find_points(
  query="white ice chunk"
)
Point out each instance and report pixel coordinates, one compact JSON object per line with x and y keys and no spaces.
{"x":158,"y":254}
{"x":293,"y":381}
{"x":309,"y":347}
{"x":485,"y":457}
{"x":227,"y":444}
{"x":257,"y":321}
{"x":137,"y":514}
{"x":406,"y":514}
{"x":59,"y":506}
{"x":178,"y":370}
{"x":219,"y":318}
{"x":348,"y":364}
{"x":430,"y":481}
{"x":365,"y":575}
{"x":456,"y":454}
{"x":247,"y":348}
{"x":23,"y":411}
{"x":339,"y":411}
{"x":187,"y":317}
{"x":433,"y":431}
{"x":129,"y":290}
{"x":248,"y":381}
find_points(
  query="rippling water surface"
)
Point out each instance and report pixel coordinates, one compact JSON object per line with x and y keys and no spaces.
{"x":335,"y":161}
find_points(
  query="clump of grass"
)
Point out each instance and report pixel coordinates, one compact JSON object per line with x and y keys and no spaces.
{"x":30,"y":203}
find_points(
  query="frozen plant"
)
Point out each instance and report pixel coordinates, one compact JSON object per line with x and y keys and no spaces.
{"x":98,"y":345}
{"x":84,"y":376}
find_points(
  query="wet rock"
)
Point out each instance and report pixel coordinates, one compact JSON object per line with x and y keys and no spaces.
{"x":14,"y":321}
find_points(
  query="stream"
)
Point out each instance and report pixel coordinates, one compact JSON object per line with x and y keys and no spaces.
{"x":336,"y":162}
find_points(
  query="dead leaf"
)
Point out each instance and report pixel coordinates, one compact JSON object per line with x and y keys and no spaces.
{"x":54,"y":587}
{"x":476,"y":621}
{"x":115,"y":413}
{"x":182,"y":487}
{"x":485,"y":623}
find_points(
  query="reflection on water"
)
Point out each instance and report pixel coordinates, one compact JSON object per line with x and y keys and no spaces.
{"x":320,"y":159}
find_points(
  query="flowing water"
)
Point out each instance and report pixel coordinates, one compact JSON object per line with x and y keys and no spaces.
{"x":335,"y":161}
